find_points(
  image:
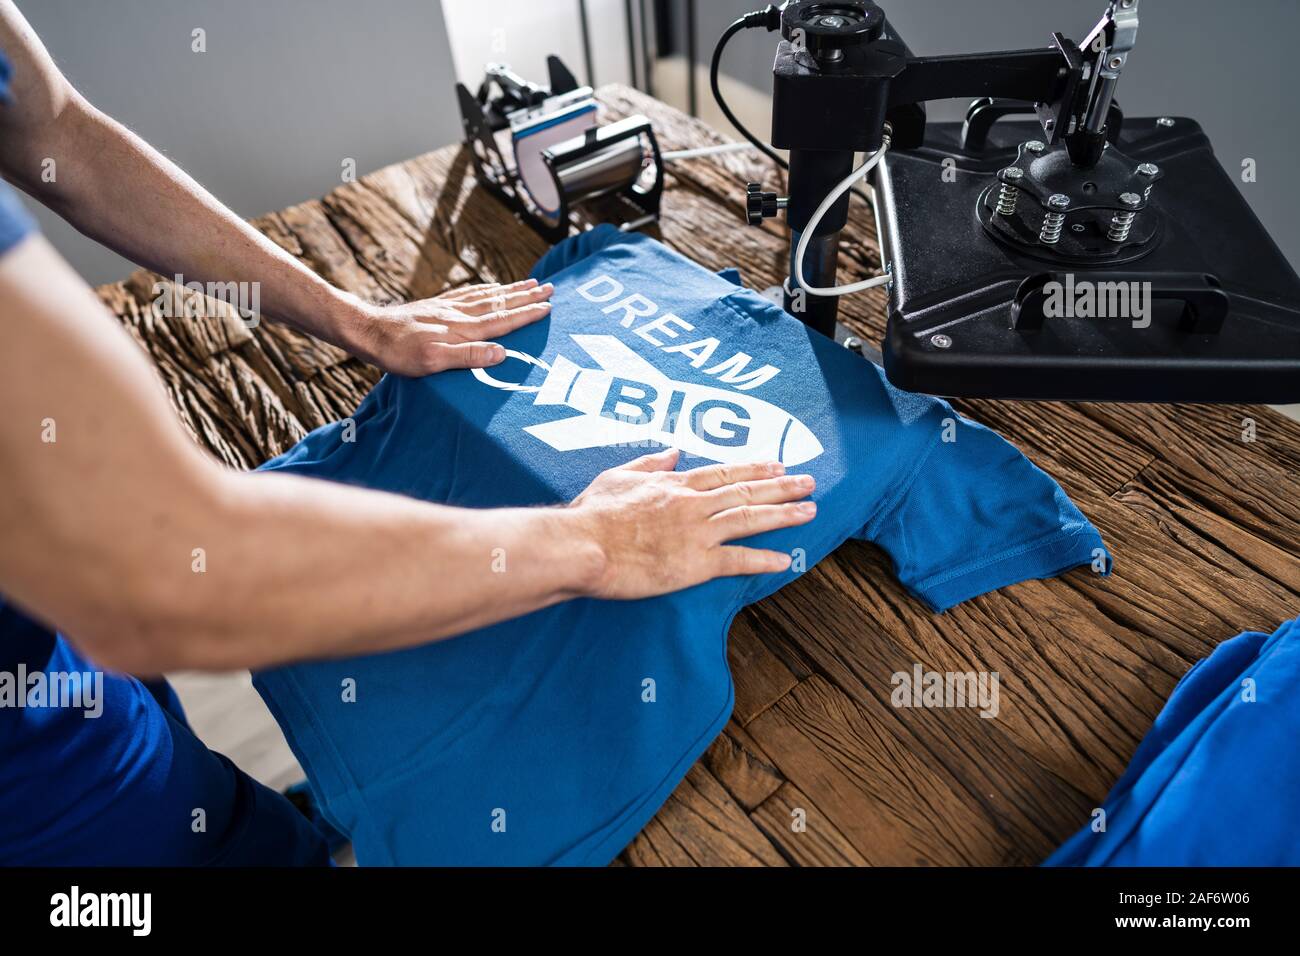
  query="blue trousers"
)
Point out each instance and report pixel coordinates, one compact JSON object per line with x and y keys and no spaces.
{"x":111,"y":774}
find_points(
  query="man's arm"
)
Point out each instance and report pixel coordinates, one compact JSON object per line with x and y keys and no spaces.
{"x":120,"y":191}
{"x":100,"y":527}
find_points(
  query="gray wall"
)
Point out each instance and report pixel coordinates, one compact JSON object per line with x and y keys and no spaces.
{"x":286,"y":90}
{"x":1222,"y":63}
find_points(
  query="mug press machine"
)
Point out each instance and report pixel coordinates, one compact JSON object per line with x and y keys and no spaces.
{"x":561,"y":156}
{"x":984,"y":224}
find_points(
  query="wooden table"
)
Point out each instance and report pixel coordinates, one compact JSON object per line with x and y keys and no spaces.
{"x":1204,"y":526}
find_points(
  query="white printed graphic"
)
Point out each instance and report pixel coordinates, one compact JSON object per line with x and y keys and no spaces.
{"x":627,"y":401}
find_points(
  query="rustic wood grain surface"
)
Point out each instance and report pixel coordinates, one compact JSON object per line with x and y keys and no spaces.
{"x":1204,"y":527}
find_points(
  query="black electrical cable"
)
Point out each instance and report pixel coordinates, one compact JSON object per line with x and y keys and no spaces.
{"x":769,"y":18}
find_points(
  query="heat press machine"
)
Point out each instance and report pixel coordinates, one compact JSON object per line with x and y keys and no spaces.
{"x":992,"y":227}
{"x":561,"y":156}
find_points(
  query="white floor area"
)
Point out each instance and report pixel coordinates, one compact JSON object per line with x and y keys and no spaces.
{"x":229,"y":716}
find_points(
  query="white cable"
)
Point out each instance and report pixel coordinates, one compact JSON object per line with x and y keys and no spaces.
{"x":845,"y":185}
{"x":706,"y":151}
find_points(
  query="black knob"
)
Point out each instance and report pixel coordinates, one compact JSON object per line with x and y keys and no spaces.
{"x":759,"y":205}
{"x":826,"y":27}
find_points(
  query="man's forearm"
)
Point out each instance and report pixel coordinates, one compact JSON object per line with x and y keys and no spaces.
{"x":294,"y":568}
{"x":220,"y":570}
{"x":119,"y":190}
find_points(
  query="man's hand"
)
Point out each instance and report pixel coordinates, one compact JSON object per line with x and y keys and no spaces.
{"x":661,"y":530}
{"x":449,"y":331}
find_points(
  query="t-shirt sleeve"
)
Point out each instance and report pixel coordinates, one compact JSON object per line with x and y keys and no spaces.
{"x":16,"y":223}
{"x":977,"y":515}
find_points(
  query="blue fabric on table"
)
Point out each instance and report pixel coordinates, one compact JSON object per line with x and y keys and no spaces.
{"x":1216,"y":780}
{"x":543,"y":722}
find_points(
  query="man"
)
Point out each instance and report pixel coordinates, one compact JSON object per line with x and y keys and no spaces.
{"x":98,"y":527}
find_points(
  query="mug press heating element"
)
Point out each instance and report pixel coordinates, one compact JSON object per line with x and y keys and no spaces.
{"x":561,"y":156}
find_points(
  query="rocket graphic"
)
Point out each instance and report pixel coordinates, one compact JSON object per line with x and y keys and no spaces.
{"x":627,"y":401}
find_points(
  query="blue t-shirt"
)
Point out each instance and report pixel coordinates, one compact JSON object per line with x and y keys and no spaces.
{"x":1216,"y":781}
{"x":553,"y":738}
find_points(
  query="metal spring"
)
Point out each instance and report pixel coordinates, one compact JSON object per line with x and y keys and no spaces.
{"x":1120,"y":225}
{"x":1007,"y":197}
{"x":1053,"y":223}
